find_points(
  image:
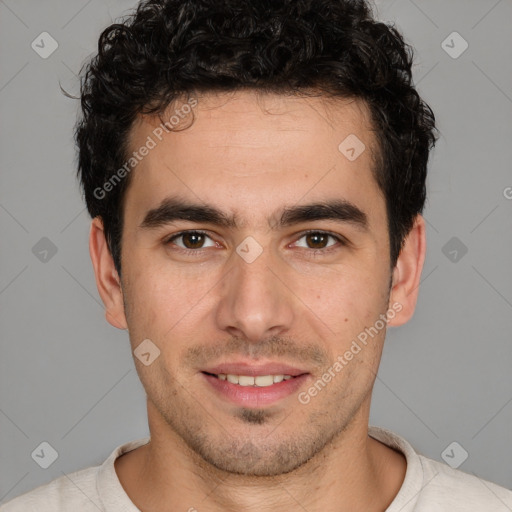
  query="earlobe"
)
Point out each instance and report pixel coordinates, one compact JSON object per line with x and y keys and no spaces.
{"x":107,"y":278}
{"x":407,"y":273}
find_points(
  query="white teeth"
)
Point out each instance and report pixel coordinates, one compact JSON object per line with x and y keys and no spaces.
{"x":248,"y":380}
{"x":264,"y":380}
{"x":245,"y":380}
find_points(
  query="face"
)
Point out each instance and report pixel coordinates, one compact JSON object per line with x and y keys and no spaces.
{"x":227,"y":272}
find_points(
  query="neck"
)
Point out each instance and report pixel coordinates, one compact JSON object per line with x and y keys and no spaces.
{"x":354,"y":472}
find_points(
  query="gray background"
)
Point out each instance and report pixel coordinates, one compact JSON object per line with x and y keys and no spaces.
{"x":67,"y":377}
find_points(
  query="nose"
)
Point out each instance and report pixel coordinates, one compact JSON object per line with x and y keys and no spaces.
{"x":256,"y":299}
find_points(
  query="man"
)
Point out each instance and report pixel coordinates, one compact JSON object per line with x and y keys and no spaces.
{"x":256,"y":176}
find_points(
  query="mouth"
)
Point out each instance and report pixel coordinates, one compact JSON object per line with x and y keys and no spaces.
{"x":251,"y":386}
{"x":261,"y":381}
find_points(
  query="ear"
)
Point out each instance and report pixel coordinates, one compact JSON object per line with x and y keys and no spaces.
{"x":107,"y":279}
{"x":407,"y":274}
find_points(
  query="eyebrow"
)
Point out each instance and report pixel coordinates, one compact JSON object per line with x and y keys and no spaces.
{"x":173,"y":208}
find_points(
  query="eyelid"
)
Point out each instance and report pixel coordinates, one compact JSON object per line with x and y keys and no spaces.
{"x":172,"y":237}
{"x":339,"y":238}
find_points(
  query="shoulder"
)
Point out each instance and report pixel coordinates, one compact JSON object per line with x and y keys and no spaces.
{"x":431,"y":485}
{"x":74,"y":490}
{"x":87,"y":490}
{"x":456,"y":490}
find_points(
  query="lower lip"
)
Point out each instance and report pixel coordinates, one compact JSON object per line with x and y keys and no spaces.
{"x":254,"y":396}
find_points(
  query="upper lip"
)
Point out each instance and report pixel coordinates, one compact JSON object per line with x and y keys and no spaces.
{"x":251,"y":369}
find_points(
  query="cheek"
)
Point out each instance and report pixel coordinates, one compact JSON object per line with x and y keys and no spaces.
{"x":146,"y":301}
{"x":346,"y":298}
{"x":350,"y":308}
{"x":165,"y":303}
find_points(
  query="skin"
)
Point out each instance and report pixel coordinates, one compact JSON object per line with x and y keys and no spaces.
{"x":253,"y":155}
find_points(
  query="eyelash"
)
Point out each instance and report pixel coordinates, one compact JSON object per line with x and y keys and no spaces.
{"x":342,"y":241}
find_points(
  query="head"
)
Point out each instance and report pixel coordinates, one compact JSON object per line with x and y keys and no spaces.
{"x":253,"y":123}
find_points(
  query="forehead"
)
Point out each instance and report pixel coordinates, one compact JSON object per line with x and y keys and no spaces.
{"x":247,"y":152}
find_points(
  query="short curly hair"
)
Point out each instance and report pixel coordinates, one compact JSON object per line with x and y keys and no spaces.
{"x":166,"y":49}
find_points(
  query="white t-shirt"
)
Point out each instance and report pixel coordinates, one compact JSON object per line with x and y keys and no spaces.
{"x":429,"y":486}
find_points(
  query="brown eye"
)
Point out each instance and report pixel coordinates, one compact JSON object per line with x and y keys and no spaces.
{"x":317,"y":240}
{"x":191,"y":240}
